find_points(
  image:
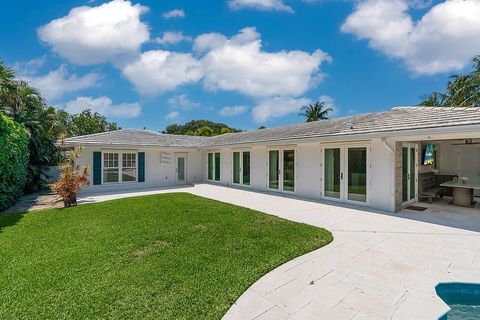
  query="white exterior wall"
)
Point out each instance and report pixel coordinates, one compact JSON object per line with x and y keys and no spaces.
{"x":157,"y":174}
{"x":382,"y":177}
{"x":309,"y":170}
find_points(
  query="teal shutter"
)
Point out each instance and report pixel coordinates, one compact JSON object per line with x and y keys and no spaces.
{"x":97,"y":168}
{"x":141,"y":167}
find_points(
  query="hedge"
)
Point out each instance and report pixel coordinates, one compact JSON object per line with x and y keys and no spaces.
{"x":14,"y":155}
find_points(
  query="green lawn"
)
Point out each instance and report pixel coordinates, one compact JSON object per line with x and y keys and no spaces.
{"x":171,"y":256}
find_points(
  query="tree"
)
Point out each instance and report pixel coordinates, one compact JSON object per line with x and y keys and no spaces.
{"x":461,"y":90}
{"x":315,"y":112}
{"x":85,"y":122}
{"x":205,"y":131}
{"x":192,"y":128}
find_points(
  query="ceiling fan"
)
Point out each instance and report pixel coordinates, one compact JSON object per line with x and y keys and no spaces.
{"x":466,"y":142}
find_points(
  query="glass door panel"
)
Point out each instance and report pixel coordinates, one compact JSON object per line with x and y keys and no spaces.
{"x":246,"y":168}
{"x":180,"y":169}
{"x":236,"y":167}
{"x":289,"y":170}
{"x":404,"y":174}
{"x":412,"y":173}
{"x":332,"y":173}
{"x":210,"y":166}
{"x":273,"y":169}
{"x":217,"y":166}
{"x":357,"y":174}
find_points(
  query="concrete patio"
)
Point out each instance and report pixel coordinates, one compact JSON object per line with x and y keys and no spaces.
{"x":379,"y":266}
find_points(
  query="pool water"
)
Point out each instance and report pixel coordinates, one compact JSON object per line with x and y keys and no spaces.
{"x":462,"y":298}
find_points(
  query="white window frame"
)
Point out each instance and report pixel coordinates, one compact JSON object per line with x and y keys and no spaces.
{"x":280,"y":150}
{"x":344,"y":169}
{"x":241,"y":182}
{"x":214,"y":166}
{"x":120,"y":166}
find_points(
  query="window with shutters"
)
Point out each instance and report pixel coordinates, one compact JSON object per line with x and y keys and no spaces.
{"x":119,"y":167}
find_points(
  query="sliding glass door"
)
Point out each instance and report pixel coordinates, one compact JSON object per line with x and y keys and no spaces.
{"x":241,"y":167}
{"x":281,"y":169}
{"x":345,"y":173}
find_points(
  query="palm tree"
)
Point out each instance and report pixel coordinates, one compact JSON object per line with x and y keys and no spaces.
{"x":462,"y":90}
{"x":315,"y":112}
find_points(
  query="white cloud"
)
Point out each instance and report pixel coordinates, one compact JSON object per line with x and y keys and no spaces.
{"x":172,"y":115}
{"x":277,"y":5}
{"x":176,"y":13}
{"x":158,"y":71}
{"x":170,"y":37}
{"x":91,"y":35}
{"x":182,"y":102}
{"x":57,"y":83}
{"x":30,"y":67}
{"x":445,"y":38}
{"x":232,"y":111}
{"x":104,"y":106}
{"x":239,"y":64}
{"x":277,"y":107}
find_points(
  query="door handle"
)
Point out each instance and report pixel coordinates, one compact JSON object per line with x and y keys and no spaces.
{"x":341,"y":175}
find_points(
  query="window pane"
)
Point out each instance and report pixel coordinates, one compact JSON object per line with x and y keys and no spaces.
{"x":332,"y":173}
{"x":217,"y":166}
{"x":236,"y":167}
{"x":246,"y":168}
{"x":129,"y":175}
{"x":181,"y":169}
{"x":110,"y":175}
{"x":289,"y":170}
{"x":357,"y":174}
{"x":273,"y":169}
{"x":210,"y":166}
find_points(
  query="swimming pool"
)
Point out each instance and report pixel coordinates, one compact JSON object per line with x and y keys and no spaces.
{"x":462,"y":298}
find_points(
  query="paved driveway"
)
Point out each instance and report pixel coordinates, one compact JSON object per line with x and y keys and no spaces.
{"x":379,"y":266}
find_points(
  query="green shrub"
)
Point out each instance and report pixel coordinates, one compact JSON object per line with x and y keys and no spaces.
{"x":13,"y":160}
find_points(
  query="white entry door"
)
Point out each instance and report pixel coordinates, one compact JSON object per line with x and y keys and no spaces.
{"x":181,"y":169}
{"x":346,"y":173}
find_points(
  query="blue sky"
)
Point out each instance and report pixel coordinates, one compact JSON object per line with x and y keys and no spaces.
{"x":243,"y":62}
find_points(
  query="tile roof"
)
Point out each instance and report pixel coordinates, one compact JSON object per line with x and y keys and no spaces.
{"x":136,"y":137}
{"x":397,"y":119}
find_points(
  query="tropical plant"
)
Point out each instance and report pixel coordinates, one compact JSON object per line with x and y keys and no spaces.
{"x":72,"y":178}
{"x":13,"y":160}
{"x":315,"y":112}
{"x":461,"y":91}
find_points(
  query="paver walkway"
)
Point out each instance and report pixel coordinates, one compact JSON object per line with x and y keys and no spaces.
{"x":379,"y":266}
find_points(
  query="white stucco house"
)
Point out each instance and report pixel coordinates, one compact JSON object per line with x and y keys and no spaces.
{"x":383,"y":160}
